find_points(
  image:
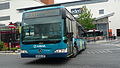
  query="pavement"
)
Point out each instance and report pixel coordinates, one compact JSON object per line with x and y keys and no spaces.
{"x":10,"y":52}
{"x":104,"y":41}
{"x":115,"y":42}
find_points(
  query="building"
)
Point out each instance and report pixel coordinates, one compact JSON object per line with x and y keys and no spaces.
{"x":107,"y":8}
{"x":8,"y":12}
{"x":102,"y":24}
{"x":101,"y":9}
{"x":101,"y":14}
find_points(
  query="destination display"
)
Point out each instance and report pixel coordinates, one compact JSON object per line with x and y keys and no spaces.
{"x":42,"y":13}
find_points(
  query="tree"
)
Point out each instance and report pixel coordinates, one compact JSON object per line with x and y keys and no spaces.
{"x":85,"y":19}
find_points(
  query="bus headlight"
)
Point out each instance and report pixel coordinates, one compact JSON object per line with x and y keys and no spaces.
{"x":24,"y":51}
{"x":61,"y":50}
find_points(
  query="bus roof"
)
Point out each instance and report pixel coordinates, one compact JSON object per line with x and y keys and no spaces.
{"x":44,"y":9}
{"x":92,"y":30}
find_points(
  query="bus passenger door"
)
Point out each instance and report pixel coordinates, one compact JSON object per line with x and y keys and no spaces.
{"x":69,"y":31}
{"x":69,"y":42}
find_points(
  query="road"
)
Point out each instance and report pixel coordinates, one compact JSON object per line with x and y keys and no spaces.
{"x":97,"y":55}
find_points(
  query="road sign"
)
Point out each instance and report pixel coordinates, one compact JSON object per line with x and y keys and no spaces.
{"x":76,"y":11}
{"x":11,"y":25}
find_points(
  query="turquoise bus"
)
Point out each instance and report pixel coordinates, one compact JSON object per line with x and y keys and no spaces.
{"x":50,"y":32}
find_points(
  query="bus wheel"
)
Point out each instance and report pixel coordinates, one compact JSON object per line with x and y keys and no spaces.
{"x":75,"y":52}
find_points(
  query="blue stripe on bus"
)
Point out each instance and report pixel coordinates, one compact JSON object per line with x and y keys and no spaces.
{"x":44,"y":9}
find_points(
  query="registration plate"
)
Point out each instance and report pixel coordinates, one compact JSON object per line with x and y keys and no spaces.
{"x":40,"y":56}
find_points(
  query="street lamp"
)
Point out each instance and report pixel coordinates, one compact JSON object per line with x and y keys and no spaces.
{"x":94,"y":34}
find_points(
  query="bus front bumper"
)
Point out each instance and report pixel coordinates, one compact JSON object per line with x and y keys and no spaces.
{"x":55,"y":55}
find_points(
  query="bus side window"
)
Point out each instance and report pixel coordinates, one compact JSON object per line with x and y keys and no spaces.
{"x":69,"y":25}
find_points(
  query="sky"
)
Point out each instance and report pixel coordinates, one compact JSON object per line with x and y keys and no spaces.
{"x":62,"y":1}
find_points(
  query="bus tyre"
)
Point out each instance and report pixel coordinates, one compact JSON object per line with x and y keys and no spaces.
{"x":75,"y":52}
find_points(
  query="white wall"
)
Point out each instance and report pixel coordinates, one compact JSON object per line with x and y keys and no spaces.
{"x":109,"y":7}
{"x":15,"y":16}
{"x":17,"y":4}
{"x":4,"y":12}
{"x":114,"y":5}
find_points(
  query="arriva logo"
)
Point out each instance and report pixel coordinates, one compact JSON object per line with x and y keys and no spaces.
{"x":37,"y":46}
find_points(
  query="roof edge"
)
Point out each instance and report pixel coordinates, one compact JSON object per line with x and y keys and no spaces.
{"x":59,"y":4}
{"x":104,"y":16}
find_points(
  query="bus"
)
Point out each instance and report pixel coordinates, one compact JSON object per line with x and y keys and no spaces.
{"x":50,"y":32}
{"x":93,"y":35}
